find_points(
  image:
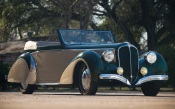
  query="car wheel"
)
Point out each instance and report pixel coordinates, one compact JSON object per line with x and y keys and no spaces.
{"x":27,"y":89}
{"x":150,"y":88}
{"x":88,"y":82}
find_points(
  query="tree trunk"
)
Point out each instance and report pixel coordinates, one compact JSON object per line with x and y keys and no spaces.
{"x":152,"y":43}
{"x":86,"y":10}
{"x":20,"y":34}
{"x":149,"y":23}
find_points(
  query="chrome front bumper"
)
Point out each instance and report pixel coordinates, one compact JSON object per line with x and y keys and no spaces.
{"x":126,"y":81}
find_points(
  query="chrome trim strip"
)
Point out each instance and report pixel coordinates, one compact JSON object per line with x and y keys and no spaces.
{"x":152,"y":78}
{"x":115,"y":77}
{"x":130,"y":60}
{"x":47,"y":84}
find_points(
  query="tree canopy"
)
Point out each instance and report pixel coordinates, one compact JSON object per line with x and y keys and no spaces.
{"x":148,"y":23}
{"x":42,"y":16}
{"x":153,"y":17}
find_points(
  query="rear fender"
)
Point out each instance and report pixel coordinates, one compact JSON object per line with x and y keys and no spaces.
{"x":23,"y":70}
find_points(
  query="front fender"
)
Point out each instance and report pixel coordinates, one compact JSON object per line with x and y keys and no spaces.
{"x":157,"y":68}
{"x":91,"y":58}
{"x":156,"y":71}
{"x":23,"y":70}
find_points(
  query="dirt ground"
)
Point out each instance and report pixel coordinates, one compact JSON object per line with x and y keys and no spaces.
{"x":73,"y":100}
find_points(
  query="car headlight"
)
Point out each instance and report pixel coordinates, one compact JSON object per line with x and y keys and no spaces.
{"x":151,"y":57}
{"x":108,"y":55}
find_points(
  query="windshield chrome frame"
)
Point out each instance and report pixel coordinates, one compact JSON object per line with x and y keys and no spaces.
{"x":62,"y":40}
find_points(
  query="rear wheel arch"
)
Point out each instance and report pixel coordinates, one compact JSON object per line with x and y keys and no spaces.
{"x":27,"y":86}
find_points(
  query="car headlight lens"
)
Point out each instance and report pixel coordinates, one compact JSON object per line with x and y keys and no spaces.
{"x":108,"y":55}
{"x":151,"y":57}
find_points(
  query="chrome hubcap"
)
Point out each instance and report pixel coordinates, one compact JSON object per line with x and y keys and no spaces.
{"x":86,"y":79}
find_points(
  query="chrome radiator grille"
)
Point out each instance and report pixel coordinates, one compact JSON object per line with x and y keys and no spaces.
{"x":128,"y":60}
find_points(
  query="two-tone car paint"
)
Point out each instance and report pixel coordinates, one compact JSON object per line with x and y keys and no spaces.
{"x":60,"y":64}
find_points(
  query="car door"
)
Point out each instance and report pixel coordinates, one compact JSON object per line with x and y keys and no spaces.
{"x":50,"y":65}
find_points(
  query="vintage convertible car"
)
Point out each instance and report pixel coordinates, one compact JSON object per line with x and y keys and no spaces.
{"x":84,"y":58}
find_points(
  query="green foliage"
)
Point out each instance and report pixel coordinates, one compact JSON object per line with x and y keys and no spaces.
{"x":40,"y":16}
{"x":109,"y":24}
{"x":134,"y":18}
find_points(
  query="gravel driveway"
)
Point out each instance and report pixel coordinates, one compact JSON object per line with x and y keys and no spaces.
{"x":73,"y":100}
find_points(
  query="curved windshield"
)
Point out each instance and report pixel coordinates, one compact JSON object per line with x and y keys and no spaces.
{"x":86,"y":37}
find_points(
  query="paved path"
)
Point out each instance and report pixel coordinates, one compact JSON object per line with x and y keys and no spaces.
{"x":73,"y":100}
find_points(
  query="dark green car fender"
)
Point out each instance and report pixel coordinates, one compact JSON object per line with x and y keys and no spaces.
{"x":157,"y":68}
{"x":93,"y":60}
{"x":29,"y":59}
